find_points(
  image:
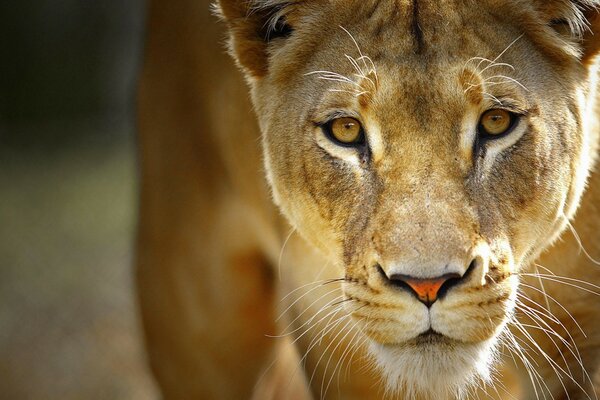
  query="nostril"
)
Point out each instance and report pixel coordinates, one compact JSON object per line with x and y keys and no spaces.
{"x":393,"y":279}
{"x":456,"y":280}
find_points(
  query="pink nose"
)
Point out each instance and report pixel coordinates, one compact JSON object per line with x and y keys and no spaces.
{"x":426,"y":289}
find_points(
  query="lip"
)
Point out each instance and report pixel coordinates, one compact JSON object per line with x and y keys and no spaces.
{"x":430,"y":337}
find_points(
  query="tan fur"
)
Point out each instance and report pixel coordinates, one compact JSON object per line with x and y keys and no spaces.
{"x":215,"y":254}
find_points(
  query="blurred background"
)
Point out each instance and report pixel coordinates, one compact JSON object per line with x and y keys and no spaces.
{"x":68,"y":192}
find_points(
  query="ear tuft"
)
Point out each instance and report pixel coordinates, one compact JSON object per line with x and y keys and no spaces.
{"x":274,"y":14}
{"x":575,"y":21}
{"x":252,"y":25}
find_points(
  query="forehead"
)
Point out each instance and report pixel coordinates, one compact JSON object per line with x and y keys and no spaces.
{"x":419,"y":46}
{"x":405,"y":39}
{"x":422,"y":31}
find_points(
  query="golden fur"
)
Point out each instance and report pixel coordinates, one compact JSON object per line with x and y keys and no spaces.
{"x":220,"y":268}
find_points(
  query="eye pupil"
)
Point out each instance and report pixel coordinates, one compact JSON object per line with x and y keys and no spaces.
{"x":346,"y":130}
{"x":495,"y":122}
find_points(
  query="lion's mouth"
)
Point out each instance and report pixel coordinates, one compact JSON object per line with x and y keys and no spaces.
{"x":432,"y":337}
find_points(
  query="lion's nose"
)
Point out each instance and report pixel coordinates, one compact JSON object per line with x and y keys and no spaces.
{"x":427,"y":290}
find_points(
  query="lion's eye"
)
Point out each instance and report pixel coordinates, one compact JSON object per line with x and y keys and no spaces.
{"x":345,"y":131}
{"x":496,"y":122}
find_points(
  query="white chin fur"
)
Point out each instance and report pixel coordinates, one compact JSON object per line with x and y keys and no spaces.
{"x":434,"y":371}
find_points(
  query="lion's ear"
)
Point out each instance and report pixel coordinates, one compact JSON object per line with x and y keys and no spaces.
{"x":591,"y":37}
{"x":577,"y":21}
{"x":252,"y":26}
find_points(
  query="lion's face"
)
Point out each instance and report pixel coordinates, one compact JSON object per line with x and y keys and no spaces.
{"x":432,"y":151}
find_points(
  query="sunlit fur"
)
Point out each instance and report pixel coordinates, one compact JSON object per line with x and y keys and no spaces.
{"x":427,"y":197}
{"x":456,"y":368}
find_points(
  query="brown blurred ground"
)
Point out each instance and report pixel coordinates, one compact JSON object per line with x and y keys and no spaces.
{"x":68,"y":320}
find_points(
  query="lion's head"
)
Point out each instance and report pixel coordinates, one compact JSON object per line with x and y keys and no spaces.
{"x":431,"y":149}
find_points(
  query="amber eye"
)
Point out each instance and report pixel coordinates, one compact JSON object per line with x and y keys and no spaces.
{"x":346,"y":131}
{"x":496,"y":122}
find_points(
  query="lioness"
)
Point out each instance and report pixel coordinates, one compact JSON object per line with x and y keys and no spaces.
{"x":431,"y":237}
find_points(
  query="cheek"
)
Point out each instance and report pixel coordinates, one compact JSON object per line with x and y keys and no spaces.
{"x":318,"y":193}
{"x":529,"y":186}
{"x":334,"y":187}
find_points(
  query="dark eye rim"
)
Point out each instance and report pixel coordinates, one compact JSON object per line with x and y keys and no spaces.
{"x":360,"y":143}
{"x":281,"y":29}
{"x":514,"y":121}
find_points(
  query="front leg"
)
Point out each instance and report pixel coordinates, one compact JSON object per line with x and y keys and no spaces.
{"x":206,"y":300}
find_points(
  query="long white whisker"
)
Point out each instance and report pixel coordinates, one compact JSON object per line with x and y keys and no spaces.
{"x":331,"y":314}
{"x":557,"y":280}
{"x":538,"y":314}
{"x":579,"y":242}
{"x":355,"y":65}
{"x":543,"y":354}
{"x":509,"y":79}
{"x":356,"y":44}
{"x":330,"y":303}
{"x":282,"y":249}
{"x":507,"y":47}
{"x":543,"y":289}
{"x":560,"y":305}
{"x":332,"y":353}
{"x":311,"y":304}
{"x":333,"y":340}
{"x":494,"y":65}
{"x":551,"y":334}
{"x":322,"y":282}
{"x":534,"y":376}
{"x":354,"y":93}
{"x":554,"y":365}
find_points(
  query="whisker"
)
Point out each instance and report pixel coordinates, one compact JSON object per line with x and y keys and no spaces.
{"x":355,"y":93}
{"x":550,"y":333}
{"x":366,"y":77}
{"x":544,"y":355}
{"x":492,"y":97}
{"x":579,"y":242}
{"x":507,"y":47}
{"x":332,"y":353}
{"x":331,"y":314}
{"x":557,"y":279}
{"x":282,"y":249}
{"x":356,"y":348}
{"x":309,"y":321}
{"x":325,"y":351}
{"x":335,"y":79}
{"x":557,"y":303}
{"x":574,"y":350}
{"x":323,"y":282}
{"x":543,"y":288}
{"x":355,"y":65}
{"x":311,"y":304}
{"x":356,"y":44}
{"x":312,"y":344}
{"x":553,"y":364}
{"x":508,"y":78}
{"x":534,"y":377}
{"x":495,"y":64}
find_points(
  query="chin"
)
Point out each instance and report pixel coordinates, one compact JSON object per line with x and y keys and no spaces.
{"x":434,"y":367}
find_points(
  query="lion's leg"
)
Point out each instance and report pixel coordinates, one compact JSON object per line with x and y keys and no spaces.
{"x":204,"y":286}
{"x":206,"y":299}
{"x":285,"y":378}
